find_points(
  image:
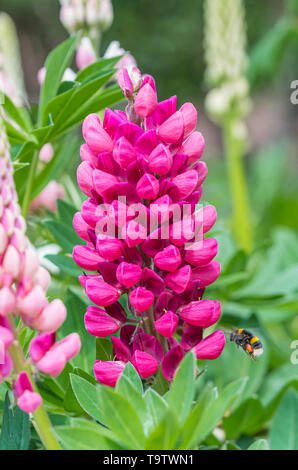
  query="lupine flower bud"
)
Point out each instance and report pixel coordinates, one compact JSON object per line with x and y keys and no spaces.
{"x":143,"y":185}
{"x":28,"y":400}
{"x":85,"y":54}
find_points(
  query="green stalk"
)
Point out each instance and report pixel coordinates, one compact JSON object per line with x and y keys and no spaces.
{"x":28,"y":192}
{"x":241,"y":218}
{"x":41,"y":420}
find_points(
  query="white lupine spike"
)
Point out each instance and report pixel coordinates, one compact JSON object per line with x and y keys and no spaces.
{"x":94,"y":16}
{"x":226,"y":58}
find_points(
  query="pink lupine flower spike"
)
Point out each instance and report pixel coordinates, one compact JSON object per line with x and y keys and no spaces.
{"x":145,"y":237}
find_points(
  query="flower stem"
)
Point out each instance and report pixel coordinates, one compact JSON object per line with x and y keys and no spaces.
{"x":29,"y":186}
{"x":234,"y":149}
{"x":41,"y":420}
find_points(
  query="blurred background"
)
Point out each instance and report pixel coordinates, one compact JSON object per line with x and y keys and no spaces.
{"x":258,"y":286}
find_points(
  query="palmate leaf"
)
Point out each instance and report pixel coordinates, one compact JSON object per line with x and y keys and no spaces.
{"x":283,"y":434}
{"x":87,"y":395}
{"x":15,"y":432}
{"x":122,"y":419}
{"x":182,"y":390}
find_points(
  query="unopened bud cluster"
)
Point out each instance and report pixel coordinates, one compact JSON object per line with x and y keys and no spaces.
{"x":92,"y":16}
{"x":226,"y":59}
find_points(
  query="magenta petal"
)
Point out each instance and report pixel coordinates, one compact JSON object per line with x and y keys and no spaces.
{"x":152,"y":281}
{"x":168,"y":259}
{"x":172,"y":130}
{"x":211,"y":347}
{"x":96,"y":137}
{"x":22,"y":383}
{"x":171,"y":362}
{"x":80,"y":226}
{"x":133,"y":233}
{"x":206,"y":274}
{"x":120,"y":350}
{"x":145,"y":101}
{"x":160,"y":160}
{"x":86,"y":257}
{"x":108,"y":372}
{"x":109,"y":248}
{"x":198,"y":313}
{"x":148,"y":344}
{"x":145,"y":364}
{"x":190,"y":117}
{"x":153,"y":244}
{"x":6,"y":336}
{"x":179,"y":280}
{"x":148,"y":187}
{"x":103,"y":181}
{"x":166,"y":325}
{"x":112,"y":120}
{"x":84,"y":177}
{"x":124,"y":153}
{"x":205,"y":218}
{"x":130,"y":131}
{"x":99,"y":323}
{"x":186,"y":183}
{"x":40,"y":345}
{"x":163,"y":111}
{"x":146,"y":143}
{"x":166,"y":301}
{"x":215,"y":315}
{"x":101,"y":293}
{"x":128,"y":274}
{"x":87,"y":155}
{"x":192,"y":335}
{"x":141,"y":299}
{"x":193,"y":147}
{"x":201,"y":253}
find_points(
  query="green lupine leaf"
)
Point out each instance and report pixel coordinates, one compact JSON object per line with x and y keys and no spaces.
{"x":15,"y":432}
{"x":66,"y":264}
{"x":165,"y":435}
{"x":16,"y":114}
{"x":130,"y":373}
{"x":56,"y":64}
{"x":66,"y":212}
{"x":73,"y":438}
{"x":201,"y":422}
{"x":122,"y":419}
{"x":182,"y":390}
{"x":104,"y":349}
{"x":260,"y":444}
{"x":283,"y":434}
{"x":95,"y":68}
{"x":156,"y":405}
{"x":64,"y":235}
{"x":87,"y":396}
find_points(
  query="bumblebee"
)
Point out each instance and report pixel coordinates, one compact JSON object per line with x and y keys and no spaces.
{"x":250,"y":343}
